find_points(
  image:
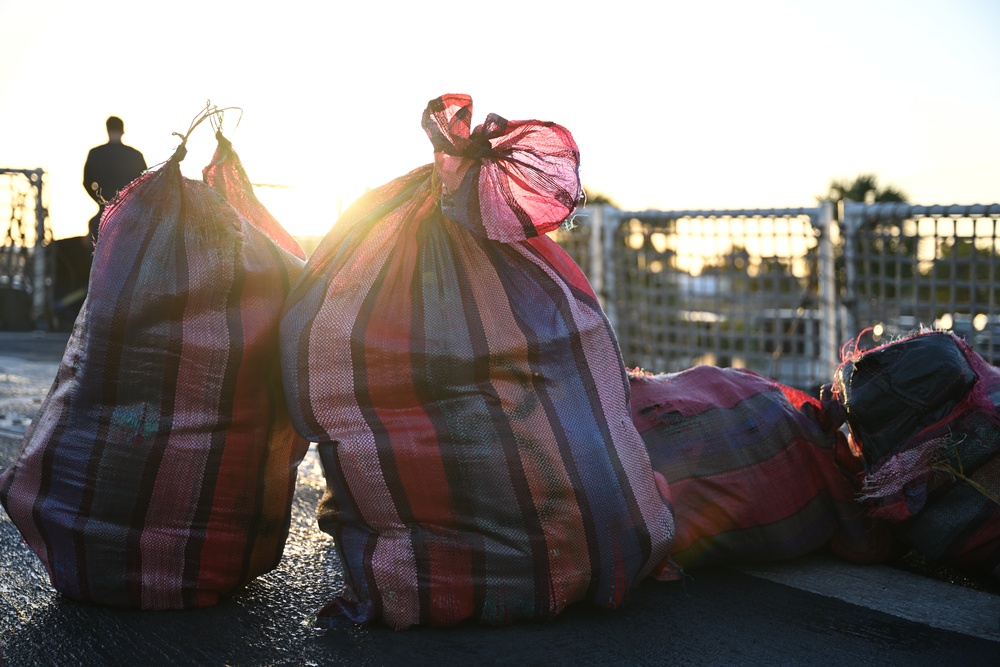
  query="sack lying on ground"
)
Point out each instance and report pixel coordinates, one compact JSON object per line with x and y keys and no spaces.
{"x":756,"y":471}
{"x":445,"y":355}
{"x":923,"y":411}
{"x":159,"y":471}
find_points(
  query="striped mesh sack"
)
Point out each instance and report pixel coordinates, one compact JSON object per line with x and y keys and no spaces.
{"x":924,"y":412}
{"x":445,"y":355}
{"x":756,"y":470}
{"x":159,"y":471}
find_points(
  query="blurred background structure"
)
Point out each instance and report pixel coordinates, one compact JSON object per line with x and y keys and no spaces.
{"x":697,"y":119}
{"x":781,"y":291}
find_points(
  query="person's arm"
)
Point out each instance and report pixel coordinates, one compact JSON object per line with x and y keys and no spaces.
{"x":90,"y":178}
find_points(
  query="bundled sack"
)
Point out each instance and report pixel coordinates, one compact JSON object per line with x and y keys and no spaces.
{"x":923,"y":412}
{"x":226,"y":175}
{"x":159,"y":471}
{"x":445,"y":355}
{"x":757,"y":471}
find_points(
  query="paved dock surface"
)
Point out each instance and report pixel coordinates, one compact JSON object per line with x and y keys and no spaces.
{"x":812,"y":611}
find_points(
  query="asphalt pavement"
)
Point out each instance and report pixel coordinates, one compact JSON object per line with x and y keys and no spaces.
{"x":811,"y":611}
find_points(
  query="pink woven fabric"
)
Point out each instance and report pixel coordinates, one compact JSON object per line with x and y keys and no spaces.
{"x":506,"y":180}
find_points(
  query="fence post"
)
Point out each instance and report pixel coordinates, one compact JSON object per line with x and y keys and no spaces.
{"x":851,"y":215}
{"x":595,"y":269}
{"x":40,"y":286}
{"x":828,"y":299}
{"x":605,"y":235}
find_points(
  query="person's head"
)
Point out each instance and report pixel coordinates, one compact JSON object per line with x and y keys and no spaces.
{"x":116,"y":128}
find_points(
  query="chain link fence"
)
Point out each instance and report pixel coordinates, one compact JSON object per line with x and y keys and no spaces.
{"x":780,"y":291}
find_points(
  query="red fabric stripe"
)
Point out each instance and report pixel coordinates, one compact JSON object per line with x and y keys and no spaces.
{"x":252,"y":447}
{"x":746,"y":497}
{"x":448,"y":578}
{"x":395,"y":401}
{"x":563,"y":265}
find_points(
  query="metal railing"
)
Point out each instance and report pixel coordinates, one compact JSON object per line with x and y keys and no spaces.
{"x":779,"y":291}
{"x":906,"y":266}
{"x":23,"y":230}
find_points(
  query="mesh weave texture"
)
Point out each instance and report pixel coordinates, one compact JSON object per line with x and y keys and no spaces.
{"x":467,"y":392}
{"x":756,"y":470}
{"x":159,"y":471}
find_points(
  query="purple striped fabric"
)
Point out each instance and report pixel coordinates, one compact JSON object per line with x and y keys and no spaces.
{"x":159,"y":471}
{"x":467,"y":394}
{"x":756,"y":470}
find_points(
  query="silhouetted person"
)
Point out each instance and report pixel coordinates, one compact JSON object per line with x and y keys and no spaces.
{"x":109,"y":168}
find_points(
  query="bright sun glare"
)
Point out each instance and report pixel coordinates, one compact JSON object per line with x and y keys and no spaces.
{"x":721,"y":104}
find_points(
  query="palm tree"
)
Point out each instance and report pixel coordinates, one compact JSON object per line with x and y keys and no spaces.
{"x":593,"y":197}
{"x":886,"y":260}
{"x":864,"y":189}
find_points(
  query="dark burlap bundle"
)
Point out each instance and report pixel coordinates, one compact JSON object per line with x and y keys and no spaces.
{"x":757,"y":472}
{"x":467,"y":392}
{"x":923,"y":411}
{"x":159,"y":471}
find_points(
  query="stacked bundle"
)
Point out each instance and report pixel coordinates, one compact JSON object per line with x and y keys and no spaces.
{"x":923,"y":411}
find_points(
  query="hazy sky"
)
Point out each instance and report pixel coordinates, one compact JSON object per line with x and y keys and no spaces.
{"x":705,"y":104}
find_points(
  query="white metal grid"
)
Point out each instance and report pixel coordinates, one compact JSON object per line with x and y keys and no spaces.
{"x":908,"y":266}
{"x":23,"y":229}
{"x":780,"y":291}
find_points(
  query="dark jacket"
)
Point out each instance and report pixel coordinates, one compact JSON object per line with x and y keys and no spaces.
{"x":111,"y":167}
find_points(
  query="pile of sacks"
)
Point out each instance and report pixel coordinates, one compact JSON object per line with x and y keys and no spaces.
{"x":452,"y":363}
{"x":924,"y":414}
{"x":465,"y":390}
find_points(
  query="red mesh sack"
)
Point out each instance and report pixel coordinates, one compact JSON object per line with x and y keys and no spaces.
{"x":758,"y":472}
{"x":923,"y":413}
{"x":444,"y":353}
{"x":159,"y":471}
